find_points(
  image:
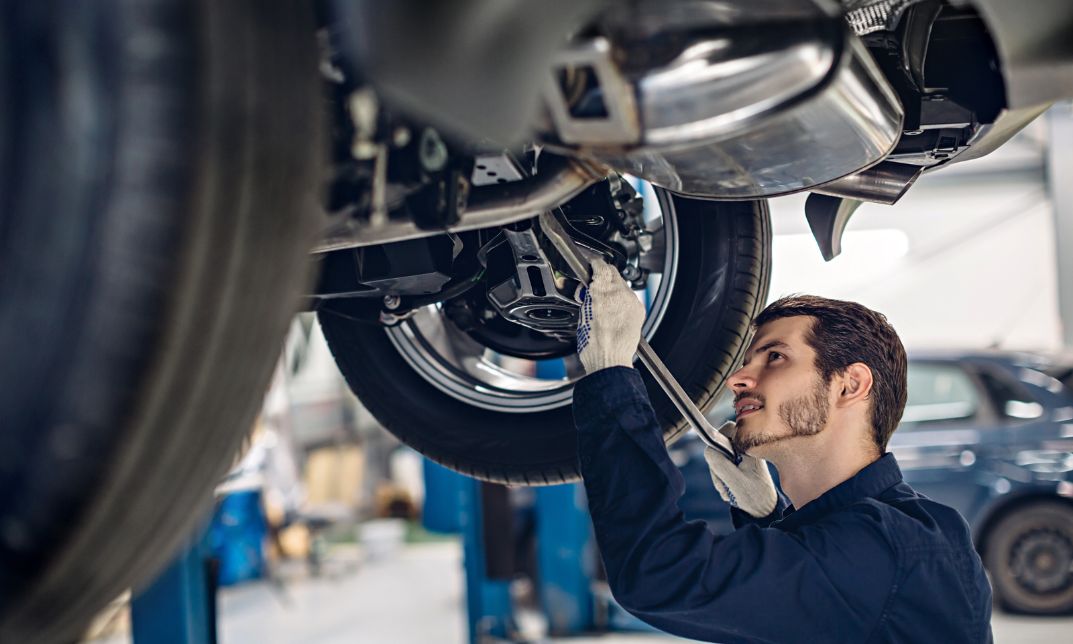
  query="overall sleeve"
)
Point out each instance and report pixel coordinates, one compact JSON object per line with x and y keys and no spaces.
{"x":755,"y":584}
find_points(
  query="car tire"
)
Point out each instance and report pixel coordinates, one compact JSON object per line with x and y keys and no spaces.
{"x":158,"y":197}
{"x":721,"y":284}
{"x":1029,"y":554}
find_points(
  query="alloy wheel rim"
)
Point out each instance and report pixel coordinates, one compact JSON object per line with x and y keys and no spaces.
{"x":1041,"y":561}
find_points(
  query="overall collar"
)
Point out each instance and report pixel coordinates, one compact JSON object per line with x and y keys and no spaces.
{"x":870,"y":482}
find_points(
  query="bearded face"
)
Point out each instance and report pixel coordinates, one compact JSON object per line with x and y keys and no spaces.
{"x":804,"y":415}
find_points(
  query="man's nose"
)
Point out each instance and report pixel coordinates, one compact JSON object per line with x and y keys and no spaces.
{"x":741,"y":380}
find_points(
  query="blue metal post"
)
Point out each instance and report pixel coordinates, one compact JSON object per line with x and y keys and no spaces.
{"x":444,"y":492}
{"x":564,"y":546}
{"x":565,"y":558}
{"x":180,"y":606}
{"x":488,"y":606}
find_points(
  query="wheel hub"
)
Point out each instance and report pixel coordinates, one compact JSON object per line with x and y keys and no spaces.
{"x":537,"y":296}
{"x":548,"y":316}
{"x":1042,"y":561}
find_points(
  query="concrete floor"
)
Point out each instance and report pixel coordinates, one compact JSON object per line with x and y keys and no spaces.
{"x":416,"y":595}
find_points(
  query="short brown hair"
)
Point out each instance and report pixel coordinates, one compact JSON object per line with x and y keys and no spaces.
{"x":843,"y":333}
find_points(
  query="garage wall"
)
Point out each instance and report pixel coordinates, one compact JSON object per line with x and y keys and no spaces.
{"x":966,"y":259}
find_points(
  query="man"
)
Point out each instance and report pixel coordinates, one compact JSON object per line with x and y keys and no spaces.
{"x":854,"y":554}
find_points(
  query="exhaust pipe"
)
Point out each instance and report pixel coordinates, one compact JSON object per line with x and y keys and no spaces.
{"x":884,"y":183}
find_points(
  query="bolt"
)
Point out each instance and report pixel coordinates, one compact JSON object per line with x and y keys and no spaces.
{"x":432,"y":151}
{"x":631,"y":272}
{"x":392,"y":301}
{"x":390,"y":319}
{"x":400,"y":137}
{"x":364,"y":150}
{"x":363,"y":111}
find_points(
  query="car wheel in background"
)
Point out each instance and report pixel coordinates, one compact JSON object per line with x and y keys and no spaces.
{"x":158,"y":179}
{"x":1029,"y":554}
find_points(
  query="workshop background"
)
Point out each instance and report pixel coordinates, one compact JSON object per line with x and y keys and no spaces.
{"x":327,"y":532}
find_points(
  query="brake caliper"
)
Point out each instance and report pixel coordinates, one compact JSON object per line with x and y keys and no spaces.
{"x":609,"y":217}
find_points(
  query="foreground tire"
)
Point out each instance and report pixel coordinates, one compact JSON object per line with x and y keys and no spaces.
{"x":720,"y":284}
{"x":158,"y":174}
{"x":1029,"y":554}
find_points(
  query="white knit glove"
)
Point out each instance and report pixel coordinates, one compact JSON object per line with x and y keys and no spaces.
{"x":747,"y":485}
{"x":611,"y":317}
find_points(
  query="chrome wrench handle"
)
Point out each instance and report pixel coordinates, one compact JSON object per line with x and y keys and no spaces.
{"x":709,"y":435}
{"x":579,"y":264}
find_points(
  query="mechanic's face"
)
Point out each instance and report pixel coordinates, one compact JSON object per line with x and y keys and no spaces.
{"x":778,"y":392}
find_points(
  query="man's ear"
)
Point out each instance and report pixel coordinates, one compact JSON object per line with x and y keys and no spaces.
{"x":856,"y":384}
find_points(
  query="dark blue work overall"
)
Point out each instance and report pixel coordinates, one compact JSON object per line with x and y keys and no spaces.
{"x":869,"y":561}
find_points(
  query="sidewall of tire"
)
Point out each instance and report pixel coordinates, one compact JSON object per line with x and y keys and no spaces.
{"x":186,"y":254}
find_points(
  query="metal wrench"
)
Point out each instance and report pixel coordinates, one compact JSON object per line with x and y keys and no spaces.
{"x":579,"y":265}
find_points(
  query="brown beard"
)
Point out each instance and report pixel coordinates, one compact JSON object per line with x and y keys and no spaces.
{"x":805,"y":416}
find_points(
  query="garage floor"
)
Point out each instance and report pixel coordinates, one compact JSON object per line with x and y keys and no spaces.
{"x":417,"y":596}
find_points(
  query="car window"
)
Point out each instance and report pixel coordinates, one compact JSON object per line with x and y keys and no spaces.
{"x":939,"y":392}
{"x":1064,"y":374}
{"x":1010,"y":399}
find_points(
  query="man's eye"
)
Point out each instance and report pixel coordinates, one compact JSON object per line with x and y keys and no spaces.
{"x":773,"y":355}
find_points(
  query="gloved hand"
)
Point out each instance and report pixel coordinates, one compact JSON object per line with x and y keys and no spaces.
{"x":747,"y":485}
{"x":611,"y":317}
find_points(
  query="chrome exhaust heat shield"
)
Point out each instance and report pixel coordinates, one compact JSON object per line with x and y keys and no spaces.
{"x":724,"y":100}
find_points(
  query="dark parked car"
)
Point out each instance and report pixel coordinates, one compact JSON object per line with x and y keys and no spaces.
{"x":990,"y":434}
